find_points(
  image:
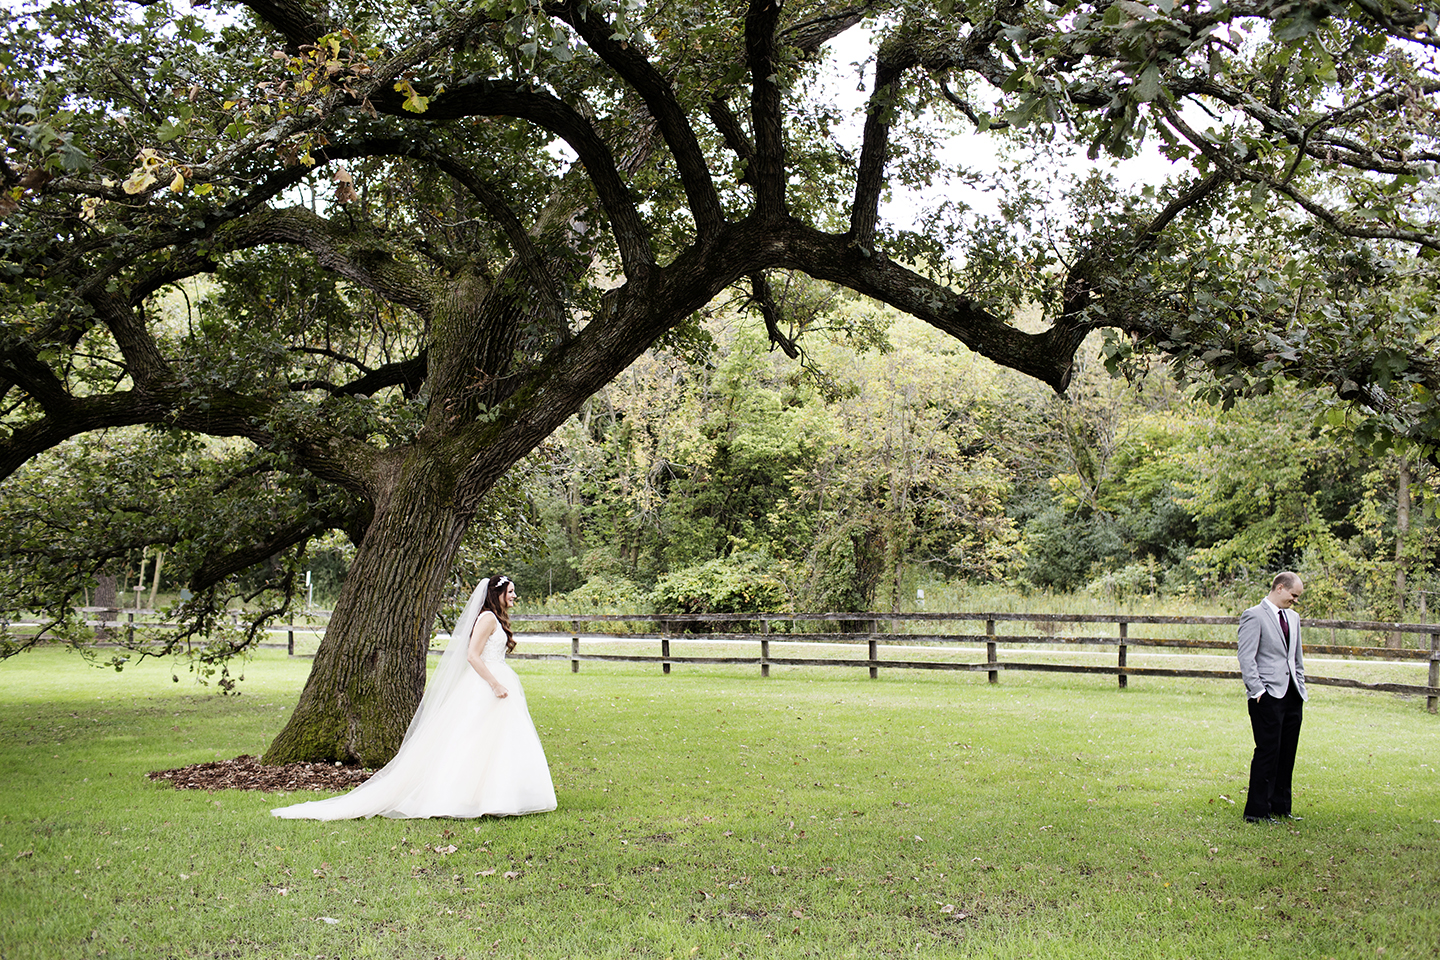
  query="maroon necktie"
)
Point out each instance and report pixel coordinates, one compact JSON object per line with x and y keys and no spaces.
{"x":1285,"y":629}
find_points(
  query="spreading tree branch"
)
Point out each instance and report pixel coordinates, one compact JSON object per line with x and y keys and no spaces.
{"x":627,"y":60}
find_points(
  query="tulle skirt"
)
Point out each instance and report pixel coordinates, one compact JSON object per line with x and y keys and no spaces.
{"x":476,"y":756}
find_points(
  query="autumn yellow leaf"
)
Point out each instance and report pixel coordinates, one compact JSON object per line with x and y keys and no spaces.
{"x":139,"y":180}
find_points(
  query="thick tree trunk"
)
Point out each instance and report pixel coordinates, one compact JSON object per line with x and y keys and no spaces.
{"x":370,"y":669}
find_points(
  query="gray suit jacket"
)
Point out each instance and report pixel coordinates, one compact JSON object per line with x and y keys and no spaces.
{"x":1264,"y":664}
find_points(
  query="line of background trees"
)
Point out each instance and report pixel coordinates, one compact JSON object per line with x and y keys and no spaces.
{"x":729,"y":477}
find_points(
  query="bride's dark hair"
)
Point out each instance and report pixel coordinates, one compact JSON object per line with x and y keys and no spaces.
{"x":492,"y":603}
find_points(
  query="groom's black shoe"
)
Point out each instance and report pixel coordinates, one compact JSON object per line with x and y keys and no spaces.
{"x":1250,"y":819}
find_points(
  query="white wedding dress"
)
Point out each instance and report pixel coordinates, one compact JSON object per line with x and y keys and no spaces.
{"x":466,"y":753}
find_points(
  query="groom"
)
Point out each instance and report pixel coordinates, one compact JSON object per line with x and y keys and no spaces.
{"x":1274,"y":673}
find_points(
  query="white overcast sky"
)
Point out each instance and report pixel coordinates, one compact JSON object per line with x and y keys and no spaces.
{"x":973,"y":150}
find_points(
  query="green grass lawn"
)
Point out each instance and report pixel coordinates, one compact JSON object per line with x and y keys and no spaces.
{"x":711,"y":813}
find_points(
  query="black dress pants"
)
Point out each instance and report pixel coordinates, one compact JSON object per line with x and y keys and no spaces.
{"x":1275,"y":722}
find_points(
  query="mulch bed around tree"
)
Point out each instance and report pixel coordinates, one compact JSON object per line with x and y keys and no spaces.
{"x":248,"y":773}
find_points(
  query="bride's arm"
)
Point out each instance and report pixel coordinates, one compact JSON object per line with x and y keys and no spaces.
{"x":484,"y":627}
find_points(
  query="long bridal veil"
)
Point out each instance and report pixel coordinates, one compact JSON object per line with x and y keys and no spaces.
{"x":453,"y":668}
{"x":427,"y":740}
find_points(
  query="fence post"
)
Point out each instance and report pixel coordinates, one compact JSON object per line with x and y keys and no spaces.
{"x":665,"y":652}
{"x":130,"y":627}
{"x":874,"y":667}
{"x":990,"y":650}
{"x":290,"y":642}
{"x":765,"y":648}
{"x":1434,"y":669}
{"x":1124,"y":632}
{"x":575,"y":653}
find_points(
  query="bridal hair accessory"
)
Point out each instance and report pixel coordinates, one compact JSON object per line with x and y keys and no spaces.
{"x":501,"y":581}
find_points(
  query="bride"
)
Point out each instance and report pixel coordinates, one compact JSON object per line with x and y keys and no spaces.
{"x":471,"y":748}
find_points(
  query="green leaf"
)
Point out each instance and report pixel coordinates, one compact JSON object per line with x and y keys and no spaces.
{"x":1015,"y":80}
{"x":72,"y":158}
{"x":1147,"y":85}
{"x":1302,"y":24}
{"x":1258,"y":193}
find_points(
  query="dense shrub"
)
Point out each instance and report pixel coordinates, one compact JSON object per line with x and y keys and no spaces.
{"x":742,"y":583}
{"x":603,"y":593}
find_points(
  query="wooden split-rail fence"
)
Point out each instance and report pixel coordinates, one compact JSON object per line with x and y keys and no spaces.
{"x":916,"y":641}
{"x":893,"y":640}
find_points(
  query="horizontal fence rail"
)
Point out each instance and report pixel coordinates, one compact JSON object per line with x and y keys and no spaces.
{"x":766,"y":640}
{"x":771,"y":635}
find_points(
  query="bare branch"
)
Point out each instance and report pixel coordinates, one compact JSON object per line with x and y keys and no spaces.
{"x":764,"y":298}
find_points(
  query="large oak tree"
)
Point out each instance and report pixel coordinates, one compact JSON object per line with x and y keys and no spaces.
{"x":427,"y":233}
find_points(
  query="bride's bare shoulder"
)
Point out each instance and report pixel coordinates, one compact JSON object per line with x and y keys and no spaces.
{"x":484,"y":625}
